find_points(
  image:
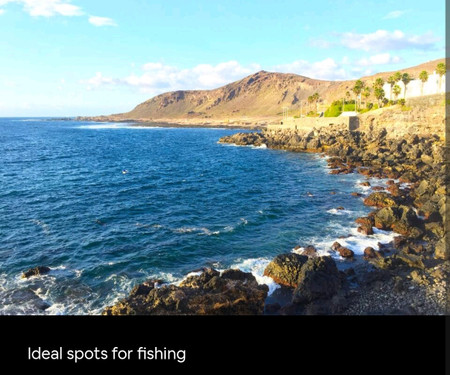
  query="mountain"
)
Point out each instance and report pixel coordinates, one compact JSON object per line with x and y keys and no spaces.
{"x":263,"y":94}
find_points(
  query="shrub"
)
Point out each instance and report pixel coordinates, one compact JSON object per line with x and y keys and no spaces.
{"x":402,"y":102}
{"x":370,"y":106}
{"x":334,"y":110}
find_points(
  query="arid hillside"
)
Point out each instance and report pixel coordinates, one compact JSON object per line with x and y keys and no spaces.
{"x":261,"y":95}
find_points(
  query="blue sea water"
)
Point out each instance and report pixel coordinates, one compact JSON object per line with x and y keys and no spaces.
{"x":184,"y":203}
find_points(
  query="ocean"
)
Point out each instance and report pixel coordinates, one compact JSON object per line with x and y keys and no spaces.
{"x":107,"y":206}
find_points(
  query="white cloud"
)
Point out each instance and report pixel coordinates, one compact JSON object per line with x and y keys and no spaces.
{"x":2,"y":11}
{"x":50,"y":8}
{"x":327,"y":69}
{"x":99,"y":80}
{"x":320,"y":43}
{"x":47,"y":8}
{"x":394,"y":14}
{"x":101,"y":21}
{"x":380,"y":59}
{"x":157,"y":77}
{"x":382,"y":40}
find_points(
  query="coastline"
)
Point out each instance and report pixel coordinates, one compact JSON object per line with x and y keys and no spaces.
{"x":253,"y":123}
{"x":407,"y":276}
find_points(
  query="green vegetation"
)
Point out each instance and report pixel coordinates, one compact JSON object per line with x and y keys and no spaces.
{"x":391,"y":80}
{"x":406,"y":78}
{"x":312,"y":114}
{"x":396,"y":90}
{"x":423,"y":76}
{"x":357,"y":89}
{"x":366,"y":93}
{"x":335,"y":109}
{"x":440,"y":69}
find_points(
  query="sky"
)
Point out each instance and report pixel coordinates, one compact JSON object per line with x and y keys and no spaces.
{"x":93,"y":57}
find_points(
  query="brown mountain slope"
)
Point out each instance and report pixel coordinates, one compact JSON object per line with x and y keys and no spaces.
{"x":262,"y":94}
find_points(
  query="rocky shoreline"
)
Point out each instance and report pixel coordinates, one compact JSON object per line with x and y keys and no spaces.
{"x":407,"y":276}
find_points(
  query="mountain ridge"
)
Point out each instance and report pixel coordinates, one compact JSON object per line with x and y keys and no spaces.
{"x":262,"y":94}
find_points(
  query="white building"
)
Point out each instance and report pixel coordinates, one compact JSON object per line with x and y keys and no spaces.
{"x":417,"y":88}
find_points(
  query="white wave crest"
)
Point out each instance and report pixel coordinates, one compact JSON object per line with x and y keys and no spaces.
{"x":256,"y":267}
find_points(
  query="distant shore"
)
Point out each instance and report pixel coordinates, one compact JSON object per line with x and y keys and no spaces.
{"x":253,"y":123}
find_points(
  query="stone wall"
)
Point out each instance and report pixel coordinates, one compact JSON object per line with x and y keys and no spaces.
{"x":307,"y":124}
{"x":421,"y":116}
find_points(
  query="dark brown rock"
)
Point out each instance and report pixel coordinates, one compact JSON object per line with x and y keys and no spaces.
{"x":366,"y":229}
{"x":336,"y":245}
{"x":380,"y":199}
{"x":36,"y":271}
{"x":319,"y":279}
{"x":309,"y":251}
{"x":365,"y":221}
{"x":345,"y":252}
{"x":210,"y":293}
{"x":285,"y":269}
{"x":370,"y":253}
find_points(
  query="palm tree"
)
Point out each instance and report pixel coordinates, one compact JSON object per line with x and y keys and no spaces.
{"x":397,"y":77}
{"x":379,"y":94}
{"x":396,"y":90}
{"x":423,"y":76}
{"x":366,"y":93}
{"x":359,"y":85}
{"x":440,"y":69}
{"x":392,"y":82}
{"x":347,"y":99}
{"x":316,"y":97}
{"x":379,"y":82}
{"x":406,"y":78}
{"x":310,"y":100}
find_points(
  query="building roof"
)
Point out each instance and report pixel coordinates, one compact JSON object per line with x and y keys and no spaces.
{"x":348,"y":114}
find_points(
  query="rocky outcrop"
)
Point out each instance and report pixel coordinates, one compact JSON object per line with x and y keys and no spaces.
{"x":285,"y":269}
{"x":380,"y":199}
{"x":412,"y":204}
{"x":231,"y":293}
{"x":319,"y":279}
{"x":344,"y":252}
{"x":36,"y":271}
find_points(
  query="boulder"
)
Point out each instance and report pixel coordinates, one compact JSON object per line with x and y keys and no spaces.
{"x":423,"y":188}
{"x":366,"y":229}
{"x":345,"y":252}
{"x":411,"y":260}
{"x":319,"y":279}
{"x":365,"y":220}
{"x":380,"y":199}
{"x":36,"y":271}
{"x":232,"y":293}
{"x":430,"y":211}
{"x":394,"y":190}
{"x":384,"y":218}
{"x":370,"y":253}
{"x":336,"y":245}
{"x":285,"y":269}
{"x":309,"y":251}
{"x":442,"y":249}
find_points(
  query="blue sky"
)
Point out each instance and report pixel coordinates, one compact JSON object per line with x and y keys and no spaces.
{"x":80,"y":57}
